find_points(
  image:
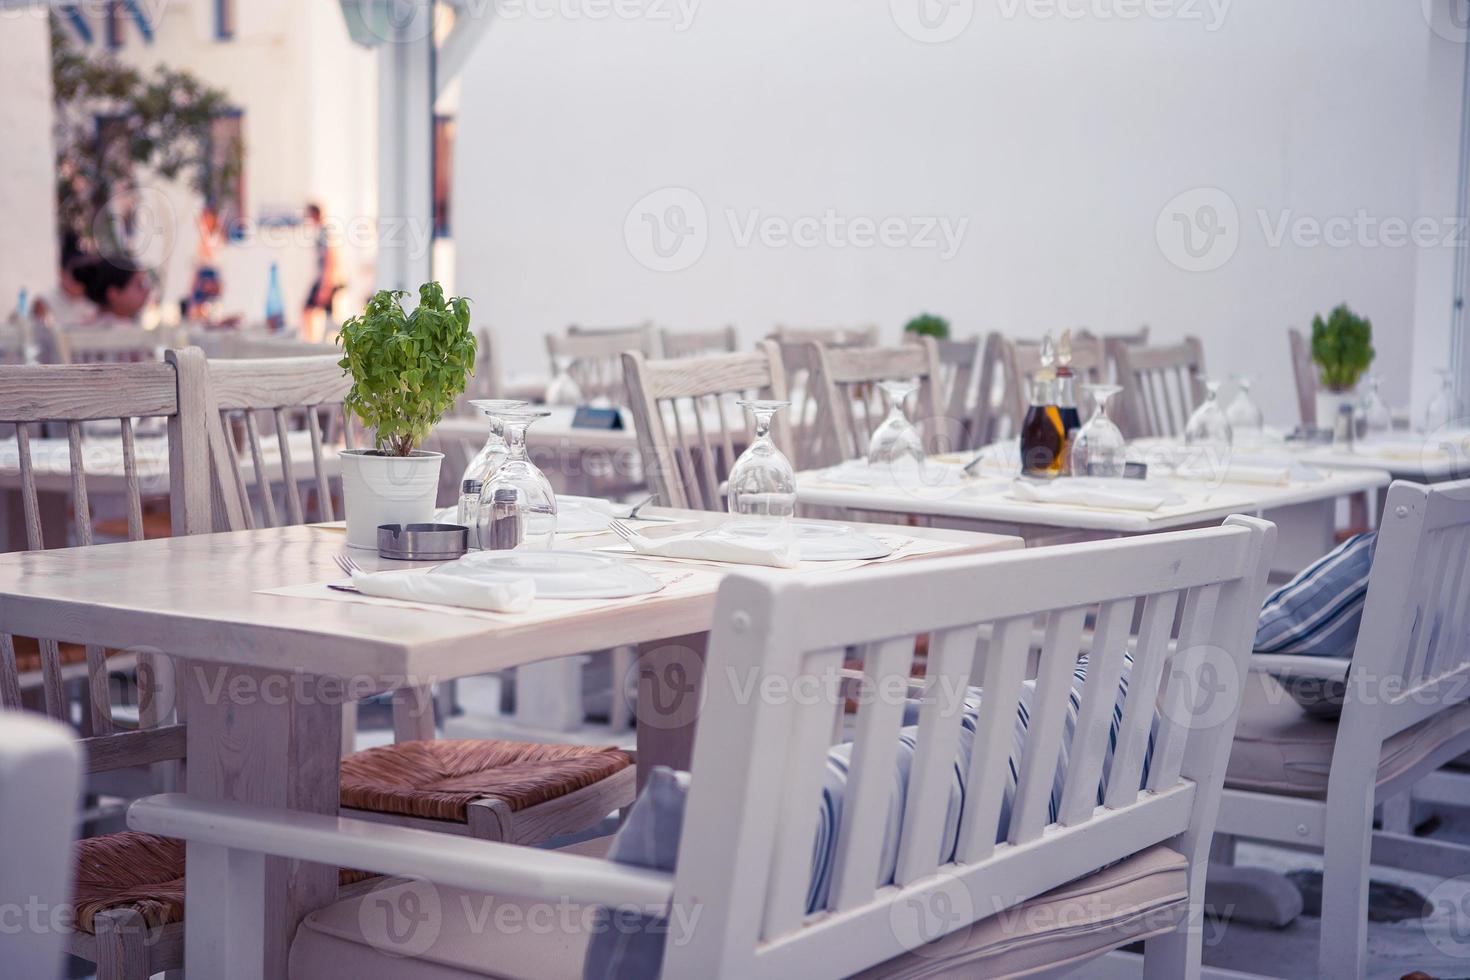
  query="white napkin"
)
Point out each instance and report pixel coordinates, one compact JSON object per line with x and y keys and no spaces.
{"x":907,"y":474}
{"x":1094,"y":492}
{"x":1260,"y":474}
{"x":447,"y":590}
{"x":775,"y":554}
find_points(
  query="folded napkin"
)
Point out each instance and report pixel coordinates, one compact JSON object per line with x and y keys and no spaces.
{"x":1391,"y":448}
{"x":448,"y":590}
{"x":1260,"y":474}
{"x":781,"y":553}
{"x":1094,"y":492}
{"x":906,"y":474}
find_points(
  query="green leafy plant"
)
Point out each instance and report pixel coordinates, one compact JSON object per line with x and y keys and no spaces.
{"x":928,"y":325}
{"x":1342,"y":347}
{"x":407,"y":369}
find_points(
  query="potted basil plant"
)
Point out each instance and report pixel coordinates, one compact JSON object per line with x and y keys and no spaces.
{"x":928,"y":325}
{"x":1342,"y":350}
{"x":407,"y":370}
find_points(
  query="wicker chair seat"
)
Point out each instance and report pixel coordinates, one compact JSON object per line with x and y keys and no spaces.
{"x":138,"y":871}
{"x":438,"y":779}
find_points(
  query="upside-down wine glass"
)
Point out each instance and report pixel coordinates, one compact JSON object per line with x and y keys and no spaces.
{"x":1441,"y":409}
{"x":896,"y":440}
{"x":485,"y":462}
{"x":1099,"y":448}
{"x":762,"y":484}
{"x":1247,"y":421}
{"x":517,"y":503}
{"x":1377,"y":419}
{"x":563,"y":389}
{"x":1208,"y":426}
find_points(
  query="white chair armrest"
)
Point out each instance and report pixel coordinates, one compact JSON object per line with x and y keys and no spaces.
{"x":445,"y":859}
{"x":1323,"y":668}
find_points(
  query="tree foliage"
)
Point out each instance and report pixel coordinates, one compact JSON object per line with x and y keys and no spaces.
{"x":928,"y":325}
{"x":117,"y":127}
{"x":1342,"y":347}
{"x":407,"y":369}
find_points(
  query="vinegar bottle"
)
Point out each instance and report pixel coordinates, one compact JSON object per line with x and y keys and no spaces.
{"x":1043,"y":431}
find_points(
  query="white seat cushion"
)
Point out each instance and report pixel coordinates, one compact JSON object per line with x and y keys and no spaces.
{"x":1280,"y":749}
{"x":473,"y":935}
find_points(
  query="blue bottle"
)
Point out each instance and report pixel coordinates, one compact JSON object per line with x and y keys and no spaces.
{"x":275,"y":307}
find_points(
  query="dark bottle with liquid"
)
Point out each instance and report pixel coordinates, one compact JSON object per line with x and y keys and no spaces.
{"x":1043,"y":432}
{"x":1066,"y":399}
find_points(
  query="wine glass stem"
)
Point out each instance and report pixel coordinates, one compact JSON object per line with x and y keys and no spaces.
{"x":515,"y":439}
{"x":763,"y":424}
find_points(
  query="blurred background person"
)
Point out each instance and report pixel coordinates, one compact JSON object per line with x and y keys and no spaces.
{"x":316,"y":319}
{"x":118,"y":293}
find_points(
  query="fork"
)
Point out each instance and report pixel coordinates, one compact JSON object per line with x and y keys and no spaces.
{"x":625,"y":532}
{"x":347,"y":564}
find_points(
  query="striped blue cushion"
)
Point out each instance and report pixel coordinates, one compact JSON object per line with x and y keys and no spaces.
{"x":649,"y":838}
{"x":1317,"y":614}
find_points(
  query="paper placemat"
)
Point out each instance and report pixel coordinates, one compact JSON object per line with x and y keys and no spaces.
{"x":636,"y":523}
{"x":675,"y":582}
{"x":903,"y":547}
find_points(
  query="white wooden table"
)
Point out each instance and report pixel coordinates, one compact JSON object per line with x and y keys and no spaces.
{"x":1305,"y":512}
{"x":262,"y":677}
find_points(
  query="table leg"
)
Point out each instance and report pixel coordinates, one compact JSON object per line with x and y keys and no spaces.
{"x":670,"y":694}
{"x":268,"y":739}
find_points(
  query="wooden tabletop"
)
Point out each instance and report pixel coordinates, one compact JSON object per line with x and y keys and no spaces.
{"x":198,"y":598}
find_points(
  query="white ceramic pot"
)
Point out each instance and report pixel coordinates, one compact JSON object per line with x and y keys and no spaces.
{"x":1328,"y":403}
{"x":386,"y":490}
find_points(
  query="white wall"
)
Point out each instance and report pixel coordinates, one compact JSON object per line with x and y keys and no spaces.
{"x":1060,"y":141}
{"x":28,"y":249}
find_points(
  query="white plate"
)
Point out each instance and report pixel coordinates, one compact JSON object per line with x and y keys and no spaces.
{"x":557,"y":574}
{"x":817,"y":541}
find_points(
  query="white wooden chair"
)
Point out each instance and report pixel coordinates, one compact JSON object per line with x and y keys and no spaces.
{"x":695,"y":398}
{"x":1020,"y":873}
{"x":40,"y":782}
{"x":1018,"y":360}
{"x":1161,"y":386}
{"x":593,"y":357}
{"x":850,"y":406}
{"x":959,"y":392}
{"x":795,"y":344}
{"x":72,"y":395}
{"x":311,"y":386}
{"x":693,"y":343}
{"x":1304,"y":374}
{"x":1312,"y":783}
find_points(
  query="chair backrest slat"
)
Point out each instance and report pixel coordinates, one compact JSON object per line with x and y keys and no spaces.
{"x":319,"y":464}
{"x":28,"y":489}
{"x":946,"y":676}
{"x":846,"y":381}
{"x":262,"y":475}
{"x":801,"y":778}
{"x":1055,"y":673}
{"x":766,"y":802}
{"x":682,"y":457}
{"x":288,"y":472}
{"x":9,"y":674}
{"x":1094,"y":719}
{"x":81,"y":511}
{"x":1190,"y":661}
{"x":1161,"y":385}
{"x":130,"y":475}
{"x":870,"y":778}
{"x":1126,"y":777}
{"x":1304,"y":374}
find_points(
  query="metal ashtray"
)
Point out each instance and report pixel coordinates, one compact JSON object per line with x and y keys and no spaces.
{"x":423,"y":542}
